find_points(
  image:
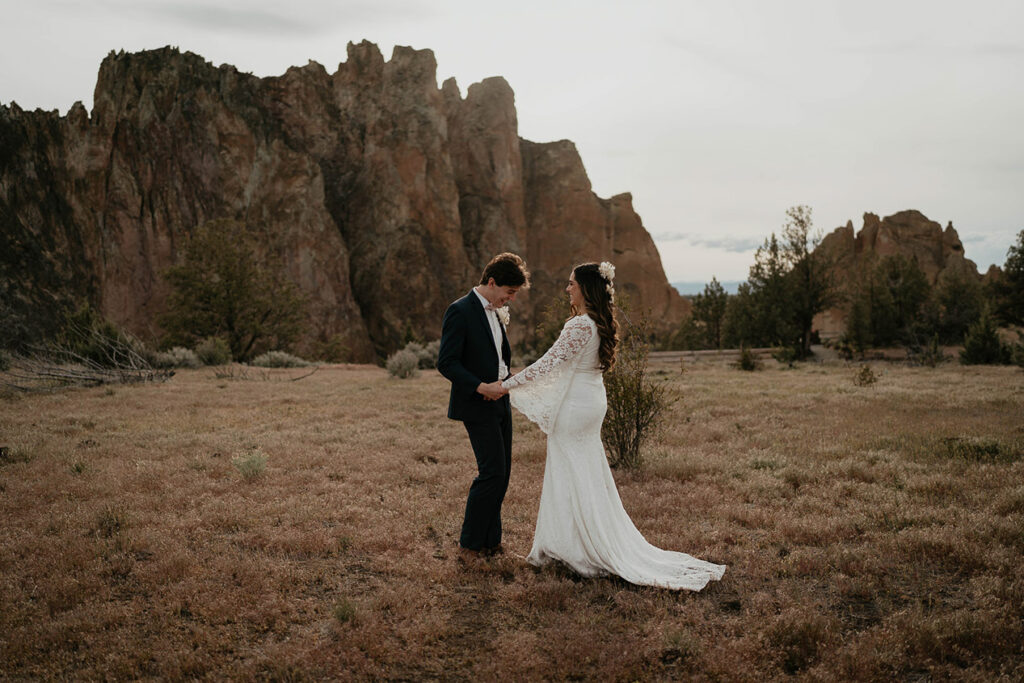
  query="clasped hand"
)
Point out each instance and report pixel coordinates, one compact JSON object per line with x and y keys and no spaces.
{"x":492,"y":391}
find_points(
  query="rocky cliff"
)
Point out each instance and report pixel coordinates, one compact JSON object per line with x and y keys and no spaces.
{"x":908,"y":233}
{"x":385,"y":194}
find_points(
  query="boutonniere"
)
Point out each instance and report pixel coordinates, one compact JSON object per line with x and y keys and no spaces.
{"x":503,"y":315}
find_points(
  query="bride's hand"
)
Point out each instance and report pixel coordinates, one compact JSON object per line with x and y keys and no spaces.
{"x":492,"y":391}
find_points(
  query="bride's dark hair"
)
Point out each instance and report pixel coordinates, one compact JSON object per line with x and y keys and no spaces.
{"x":599,"y":305}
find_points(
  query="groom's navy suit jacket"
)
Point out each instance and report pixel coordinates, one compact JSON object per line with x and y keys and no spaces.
{"x":468,"y":357}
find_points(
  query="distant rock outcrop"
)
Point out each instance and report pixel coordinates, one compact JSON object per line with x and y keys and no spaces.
{"x":385,"y":193}
{"x":908,"y":233}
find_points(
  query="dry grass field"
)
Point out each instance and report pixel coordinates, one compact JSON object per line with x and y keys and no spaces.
{"x":871,"y":532}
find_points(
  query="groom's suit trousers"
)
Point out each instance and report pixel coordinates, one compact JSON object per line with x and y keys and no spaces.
{"x":491,"y":438}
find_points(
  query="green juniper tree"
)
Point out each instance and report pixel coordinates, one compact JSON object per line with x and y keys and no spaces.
{"x":226,"y":286}
{"x":811,"y":283}
{"x":1006,"y":291}
{"x":709,"y":310}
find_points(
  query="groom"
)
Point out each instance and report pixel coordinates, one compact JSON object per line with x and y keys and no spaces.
{"x":475,"y":356}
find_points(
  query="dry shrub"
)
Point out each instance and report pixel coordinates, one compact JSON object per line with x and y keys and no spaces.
{"x":213,"y":351}
{"x":865,"y":376}
{"x":251,"y":465}
{"x":279,"y":359}
{"x":637,"y":405}
{"x":403,"y":364}
{"x":426,"y":355}
{"x":177,"y":357}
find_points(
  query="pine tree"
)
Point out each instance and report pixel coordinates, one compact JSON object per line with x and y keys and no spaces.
{"x":811,"y":283}
{"x":709,"y":310}
{"x":982,"y":345}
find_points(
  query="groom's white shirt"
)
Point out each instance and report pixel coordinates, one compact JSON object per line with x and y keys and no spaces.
{"x":492,"y":319}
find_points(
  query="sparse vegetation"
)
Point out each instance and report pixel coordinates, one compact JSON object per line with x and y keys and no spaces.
{"x":870,"y":535}
{"x":748,"y":360}
{"x":636,"y":403}
{"x":981,"y":450}
{"x":344,"y":611}
{"x":251,"y":465}
{"x":231,"y":284}
{"x":865,"y":376}
{"x":89,"y":352}
{"x":403,"y":364}
{"x":279,"y":359}
{"x":177,"y":357}
{"x":426,"y":355}
{"x":13,"y":454}
{"x":932,"y":354}
{"x":111,"y":520}
{"x":213,"y":351}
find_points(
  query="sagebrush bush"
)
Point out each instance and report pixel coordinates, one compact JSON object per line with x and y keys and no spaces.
{"x":214,"y":351}
{"x":403,"y":364}
{"x":428,"y":356}
{"x":279,"y":359}
{"x":178,"y":357}
{"x":636,"y":405}
{"x":250,"y":465}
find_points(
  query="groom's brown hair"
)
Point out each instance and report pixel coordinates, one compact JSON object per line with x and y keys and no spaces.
{"x":508,"y":270}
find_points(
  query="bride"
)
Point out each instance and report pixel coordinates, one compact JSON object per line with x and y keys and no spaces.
{"x":581,"y":521}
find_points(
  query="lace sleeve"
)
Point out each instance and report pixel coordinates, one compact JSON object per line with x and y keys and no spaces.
{"x":575,"y":335}
{"x":538,"y":391}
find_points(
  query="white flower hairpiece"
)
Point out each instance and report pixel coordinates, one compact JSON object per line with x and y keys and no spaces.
{"x":503,"y":315}
{"x":607,"y":271}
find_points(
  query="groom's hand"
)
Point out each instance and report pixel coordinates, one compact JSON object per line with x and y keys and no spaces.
{"x":492,"y":391}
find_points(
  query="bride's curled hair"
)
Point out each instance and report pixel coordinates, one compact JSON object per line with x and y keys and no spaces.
{"x":597,"y":297}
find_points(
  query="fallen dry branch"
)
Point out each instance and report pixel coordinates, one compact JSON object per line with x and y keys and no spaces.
{"x":237,"y":371}
{"x":111,"y":361}
{"x":39,"y":373}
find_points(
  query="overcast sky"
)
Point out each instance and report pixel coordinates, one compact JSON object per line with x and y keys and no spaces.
{"x":715,"y":115}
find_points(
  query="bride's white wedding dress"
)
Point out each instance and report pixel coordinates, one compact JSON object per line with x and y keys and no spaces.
{"x":581,"y":521}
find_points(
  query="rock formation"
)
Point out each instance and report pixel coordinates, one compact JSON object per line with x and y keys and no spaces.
{"x":386,"y":195}
{"x":908,"y":233}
